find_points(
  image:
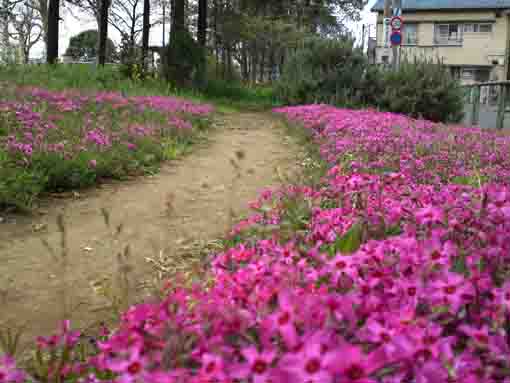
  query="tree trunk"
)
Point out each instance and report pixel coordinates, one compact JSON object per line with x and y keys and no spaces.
{"x":224,"y":62}
{"x":229,"y":63}
{"x":42,"y":8}
{"x":262,"y":64}
{"x":202,"y":22}
{"x":254,"y":63}
{"x":26,"y":55}
{"x":164,"y":25}
{"x":179,"y":16}
{"x":4,"y":18}
{"x":145,"y":33}
{"x":53,"y":24}
{"x":244,"y":63}
{"x":103,"y":32}
{"x":175,"y":67}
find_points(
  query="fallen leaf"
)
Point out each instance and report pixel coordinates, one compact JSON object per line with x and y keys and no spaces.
{"x":39,"y":227}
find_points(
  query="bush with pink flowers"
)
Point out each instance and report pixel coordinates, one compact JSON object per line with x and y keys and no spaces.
{"x":393,"y":268}
{"x":52,"y":141}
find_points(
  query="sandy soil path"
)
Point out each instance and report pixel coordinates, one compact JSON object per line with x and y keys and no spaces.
{"x":198,"y":191}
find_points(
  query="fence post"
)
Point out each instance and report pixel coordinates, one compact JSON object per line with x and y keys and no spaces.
{"x":475,"y":114}
{"x":501,"y":106}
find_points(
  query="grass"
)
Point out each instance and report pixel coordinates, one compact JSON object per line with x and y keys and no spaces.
{"x":227,"y":96}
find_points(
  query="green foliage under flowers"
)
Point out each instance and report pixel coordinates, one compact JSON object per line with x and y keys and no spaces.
{"x":335,"y":72}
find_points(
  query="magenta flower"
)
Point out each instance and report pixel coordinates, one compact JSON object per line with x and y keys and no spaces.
{"x":283,"y":320}
{"x":307,"y":366}
{"x":350,"y":365}
{"x":503,"y":296}
{"x":213,"y":368}
{"x":258,"y":365}
{"x":429,"y":214}
{"x":452,"y":290}
{"x":8,"y":371}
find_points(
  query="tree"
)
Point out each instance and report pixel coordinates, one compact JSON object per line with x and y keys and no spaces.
{"x":178,"y":17}
{"x":145,"y":32}
{"x":202,"y":22}
{"x":126,"y":16}
{"x":91,"y":7}
{"x":53,"y":27}
{"x":6,"y":11}
{"x":183,"y":55}
{"x":103,"y":32}
{"x":84,"y":45}
{"x":253,"y":38}
{"x":41,"y":7}
{"x":28,"y":29}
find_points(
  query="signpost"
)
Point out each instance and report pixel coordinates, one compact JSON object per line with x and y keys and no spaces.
{"x":396,"y":39}
{"x":396,"y":31}
{"x":396,"y":23}
{"x":386,"y":31}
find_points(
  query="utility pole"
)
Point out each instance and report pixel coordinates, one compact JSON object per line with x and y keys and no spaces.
{"x":507,"y":50}
{"x":386,"y":27}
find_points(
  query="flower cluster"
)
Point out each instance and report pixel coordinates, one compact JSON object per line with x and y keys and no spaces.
{"x":94,"y":135}
{"x":397,"y":270}
{"x":36,"y":126}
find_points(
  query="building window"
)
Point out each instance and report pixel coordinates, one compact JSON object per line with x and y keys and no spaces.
{"x":478,"y":28}
{"x":485,"y":28}
{"x":468,"y":74}
{"x":448,"y":34}
{"x":410,"y":32}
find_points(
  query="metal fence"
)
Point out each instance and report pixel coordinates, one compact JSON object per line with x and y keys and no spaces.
{"x":486,"y":104}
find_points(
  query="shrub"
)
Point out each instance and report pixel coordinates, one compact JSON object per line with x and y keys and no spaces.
{"x":335,"y":72}
{"x":421,"y":88}
{"x":183,"y":60}
{"x":322,"y":70}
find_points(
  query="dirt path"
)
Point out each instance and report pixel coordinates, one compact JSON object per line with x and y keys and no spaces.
{"x":198,"y":190}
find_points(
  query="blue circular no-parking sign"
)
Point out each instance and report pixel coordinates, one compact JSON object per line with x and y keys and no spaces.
{"x":396,"y":38}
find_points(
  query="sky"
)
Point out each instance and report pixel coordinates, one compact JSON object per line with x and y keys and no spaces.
{"x":78,"y":22}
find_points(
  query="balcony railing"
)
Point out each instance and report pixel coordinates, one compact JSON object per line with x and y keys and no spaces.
{"x":448,"y":42}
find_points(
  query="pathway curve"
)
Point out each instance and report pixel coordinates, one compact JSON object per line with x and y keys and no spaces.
{"x":197,"y":189}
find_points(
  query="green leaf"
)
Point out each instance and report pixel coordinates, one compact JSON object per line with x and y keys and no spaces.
{"x":351,"y":241}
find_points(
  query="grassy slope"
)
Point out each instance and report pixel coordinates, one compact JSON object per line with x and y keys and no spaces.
{"x":226,"y":96}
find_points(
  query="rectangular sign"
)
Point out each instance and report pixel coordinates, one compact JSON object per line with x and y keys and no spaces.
{"x":386,"y":32}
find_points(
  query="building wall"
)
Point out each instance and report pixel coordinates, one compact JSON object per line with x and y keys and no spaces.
{"x":477,"y":49}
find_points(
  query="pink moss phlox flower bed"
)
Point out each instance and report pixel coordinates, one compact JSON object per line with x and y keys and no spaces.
{"x":40,"y":128}
{"x":400,"y":274}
